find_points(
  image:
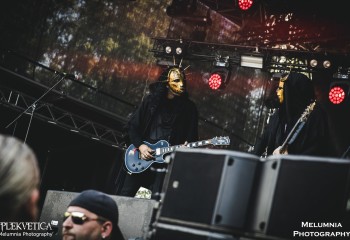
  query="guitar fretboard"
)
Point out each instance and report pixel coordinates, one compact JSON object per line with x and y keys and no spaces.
{"x":164,"y":150}
{"x":297,"y":127}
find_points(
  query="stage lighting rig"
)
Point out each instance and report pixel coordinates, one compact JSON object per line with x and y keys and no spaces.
{"x":340,"y":86}
{"x":245,"y":4}
{"x":253,"y":61}
{"x":220,"y":73}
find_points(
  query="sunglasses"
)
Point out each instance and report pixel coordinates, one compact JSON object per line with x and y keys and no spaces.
{"x":80,"y":218}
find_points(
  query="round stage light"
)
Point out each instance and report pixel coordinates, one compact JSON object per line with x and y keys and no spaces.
{"x":336,"y":95}
{"x":245,"y":4}
{"x":215,"y":81}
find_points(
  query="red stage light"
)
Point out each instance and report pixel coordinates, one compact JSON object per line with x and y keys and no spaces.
{"x":336,"y":95}
{"x":215,"y":81}
{"x":245,"y":4}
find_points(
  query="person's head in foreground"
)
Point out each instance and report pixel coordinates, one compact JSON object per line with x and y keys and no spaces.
{"x":19,"y":181}
{"x":92,"y":215}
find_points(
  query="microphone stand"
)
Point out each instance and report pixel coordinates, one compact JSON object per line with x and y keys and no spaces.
{"x":34,"y":104}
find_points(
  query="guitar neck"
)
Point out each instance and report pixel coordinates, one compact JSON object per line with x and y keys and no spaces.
{"x":284,"y":146}
{"x":191,"y":145}
{"x":297,"y":126}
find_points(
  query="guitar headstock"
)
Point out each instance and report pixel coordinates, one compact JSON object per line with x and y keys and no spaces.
{"x":307,"y":111}
{"x":220,"y":141}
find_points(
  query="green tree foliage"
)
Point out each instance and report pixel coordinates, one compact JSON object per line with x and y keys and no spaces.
{"x":107,"y":44}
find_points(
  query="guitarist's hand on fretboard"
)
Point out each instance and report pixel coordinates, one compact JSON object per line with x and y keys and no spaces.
{"x":278,"y":151}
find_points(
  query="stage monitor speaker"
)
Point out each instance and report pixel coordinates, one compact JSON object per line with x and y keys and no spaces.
{"x":176,"y":232}
{"x":301,"y":194}
{"x":209,"y":189}
{"x":135,"y":214}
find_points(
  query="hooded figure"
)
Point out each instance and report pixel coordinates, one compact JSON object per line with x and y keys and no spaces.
{"x":167,"y":114}
{"x":162,"y":118}
{"x":295,"y":93}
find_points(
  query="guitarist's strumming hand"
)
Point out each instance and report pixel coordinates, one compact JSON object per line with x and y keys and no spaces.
{"x":146,"y":153}
{"x":278,"y":151}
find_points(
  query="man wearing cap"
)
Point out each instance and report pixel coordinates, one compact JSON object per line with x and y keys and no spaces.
{"x":92,"y":215}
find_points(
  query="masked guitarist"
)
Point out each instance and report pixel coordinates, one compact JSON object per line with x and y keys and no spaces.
{"x":294,"y":94}
{"x":165,"y":114}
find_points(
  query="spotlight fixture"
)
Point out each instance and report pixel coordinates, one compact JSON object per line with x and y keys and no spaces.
{"x":336,"y":94}
{"x":178,"y":51}
{"x":174,"y":49}
{"x":316,"y":63}
{"x":339,"y":87}
{"x":252,"y":61}
{"x":220,"y":74}
{"x":215,"y":81}
{"x":313,"y":63}
{"x":245,"y":4}
{"x":168,"y":49}
{"x":282,"y":59}
{"x":326,"y":64}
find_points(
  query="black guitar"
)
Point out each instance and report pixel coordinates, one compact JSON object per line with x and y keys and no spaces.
{"x":135,"y":164}
{"x":283,"y":149}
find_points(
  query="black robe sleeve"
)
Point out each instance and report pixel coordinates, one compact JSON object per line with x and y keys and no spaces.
{"x":137,"y":123}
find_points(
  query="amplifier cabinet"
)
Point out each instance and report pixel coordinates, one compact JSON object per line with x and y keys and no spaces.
{"x":209,"y":188}
{"x":298,"y":193}
{"x":175,"y":232}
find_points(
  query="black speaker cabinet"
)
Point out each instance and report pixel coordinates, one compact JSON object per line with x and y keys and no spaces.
{"x":301,"y":194}
{"x":208,"y":189}
{"x":176,"y":232}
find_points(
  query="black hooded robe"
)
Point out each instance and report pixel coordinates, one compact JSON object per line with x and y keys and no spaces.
{"x":184,"y":127}
{"x":314,"y":137}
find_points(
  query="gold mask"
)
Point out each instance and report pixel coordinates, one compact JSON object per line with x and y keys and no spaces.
{"x":176,"y":81}
{"x":280,"y":88}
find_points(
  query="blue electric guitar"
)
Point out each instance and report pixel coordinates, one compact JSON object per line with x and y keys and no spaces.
{"x":134,"y":163}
